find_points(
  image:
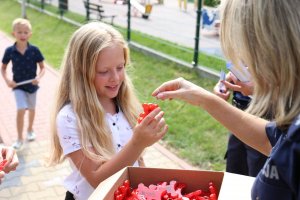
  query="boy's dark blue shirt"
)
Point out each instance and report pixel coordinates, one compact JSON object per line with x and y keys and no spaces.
{"x":24,"y":67}
{"x":280,"y":177}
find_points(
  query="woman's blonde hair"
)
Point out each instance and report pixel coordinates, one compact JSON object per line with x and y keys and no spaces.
{"x":265,"y":36}
{"x":77,"y":88}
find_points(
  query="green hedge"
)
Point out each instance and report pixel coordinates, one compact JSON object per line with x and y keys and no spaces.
{"x":211,"y":3}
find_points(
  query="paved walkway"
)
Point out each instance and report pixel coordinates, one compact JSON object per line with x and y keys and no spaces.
{"x":32,"y":179}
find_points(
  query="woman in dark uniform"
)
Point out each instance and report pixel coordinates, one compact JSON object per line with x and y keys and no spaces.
{"x":265,"y":36}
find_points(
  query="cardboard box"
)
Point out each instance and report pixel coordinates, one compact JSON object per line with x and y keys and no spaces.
{"x":230,"y":186}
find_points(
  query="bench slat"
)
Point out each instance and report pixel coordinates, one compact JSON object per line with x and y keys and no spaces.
{"x":98,"y":10}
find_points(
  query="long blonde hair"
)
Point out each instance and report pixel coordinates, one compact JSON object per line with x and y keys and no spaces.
{"x":265,"y":36}
{"x":77,"y":88}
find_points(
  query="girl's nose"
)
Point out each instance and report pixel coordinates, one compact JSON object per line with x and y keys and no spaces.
{"x":114,"y":75}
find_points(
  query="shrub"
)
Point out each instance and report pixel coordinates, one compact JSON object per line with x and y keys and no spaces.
{"x":211,"y":3}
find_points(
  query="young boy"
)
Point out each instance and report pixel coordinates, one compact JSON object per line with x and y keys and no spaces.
{"x":24,"y":57}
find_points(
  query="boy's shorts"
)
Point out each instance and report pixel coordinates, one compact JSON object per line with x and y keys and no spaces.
{"x":25,"y":100}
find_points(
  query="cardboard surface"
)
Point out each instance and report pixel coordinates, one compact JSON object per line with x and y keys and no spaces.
{"x":230,"y":186}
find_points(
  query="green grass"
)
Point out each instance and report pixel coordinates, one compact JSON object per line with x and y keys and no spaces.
{"x":193,"y":135}
{"x":180,"y":52}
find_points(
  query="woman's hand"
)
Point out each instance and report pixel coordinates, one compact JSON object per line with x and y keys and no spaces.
{"x":224,"y":94}
{"x":183,"y":90}
{"x":246,"y":88}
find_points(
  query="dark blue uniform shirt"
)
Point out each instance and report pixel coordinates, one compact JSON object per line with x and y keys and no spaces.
{"x":24,"y":67}
{"x":280,"y":177}
{"x":240,"y":101}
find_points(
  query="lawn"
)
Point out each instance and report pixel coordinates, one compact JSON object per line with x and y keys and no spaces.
{"x":193,"y":135}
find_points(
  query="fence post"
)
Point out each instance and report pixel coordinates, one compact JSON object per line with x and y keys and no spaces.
{"x":63,"y":6}
{"x":87,"y":10}
{"x":42,"y":4}
{"x":197,"y":37}
{"x":24,"y":15}
{"x":128,"y":21}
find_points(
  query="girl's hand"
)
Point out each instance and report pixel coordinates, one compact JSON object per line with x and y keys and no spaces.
{"x":152,"y":128}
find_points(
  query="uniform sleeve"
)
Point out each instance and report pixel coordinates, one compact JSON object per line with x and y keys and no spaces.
{"x":6,"y":57}
{"x":67,"y":131}
{"x":288,"y":159}
{"x":273,"y":133}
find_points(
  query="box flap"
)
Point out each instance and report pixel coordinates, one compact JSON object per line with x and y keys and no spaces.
{"x":111,"y":183}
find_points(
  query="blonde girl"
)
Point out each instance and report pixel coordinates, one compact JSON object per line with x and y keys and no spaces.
{"x":94,"y":122}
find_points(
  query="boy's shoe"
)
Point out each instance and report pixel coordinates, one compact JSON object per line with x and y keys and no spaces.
{"x":17,"y":145}
{"x":30,"y":136}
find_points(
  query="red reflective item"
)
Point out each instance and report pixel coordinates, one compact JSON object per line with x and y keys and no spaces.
{"x":148,"y":107}
{"x":213,"y":197}
{"x":212,"y":189}
{"x":2,"y":164}
{"x":163,"y":191}
{"x":123,"y":191}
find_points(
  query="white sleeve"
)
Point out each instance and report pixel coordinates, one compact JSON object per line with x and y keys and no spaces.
{"x":67,"y":130}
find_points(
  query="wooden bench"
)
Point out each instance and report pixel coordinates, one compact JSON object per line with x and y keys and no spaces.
{"x":97,"y":9}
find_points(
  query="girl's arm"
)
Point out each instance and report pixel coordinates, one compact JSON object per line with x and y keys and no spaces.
{"x":150,"y":130}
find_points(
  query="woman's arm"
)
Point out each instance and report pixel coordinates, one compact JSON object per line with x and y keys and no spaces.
{"x":248,"y":128}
